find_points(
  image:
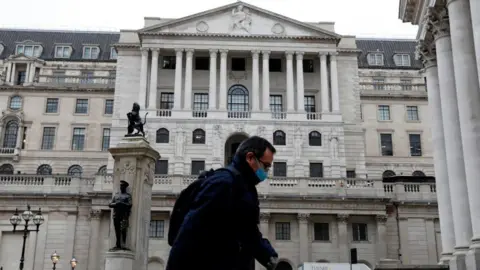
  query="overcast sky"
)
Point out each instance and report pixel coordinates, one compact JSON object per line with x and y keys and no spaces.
{"x":363,"y":18}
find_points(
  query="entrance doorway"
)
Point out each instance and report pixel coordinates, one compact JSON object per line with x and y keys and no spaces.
{"x":232,"y":144}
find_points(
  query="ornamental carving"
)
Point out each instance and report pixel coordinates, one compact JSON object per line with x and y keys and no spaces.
{"x":278,"y":29}
{"x":180,"y":143}
{"x":239,"y":127}
{"x":438,"y":21}
{"x":217,"y":136}
{"x":127,"y":168}
{"x":303,"y":217}
{"x":334,"y":147}
{"x":149,"y":173}
{"x":264,"y":217}
{"x":381,"y":219}
{"x":202,"y":27}
{"x":261,"y":131}
{"x":342,"y":218}
{"x":95,"y":214}
{"x":426,"y":52}
{"x":241,"y":19}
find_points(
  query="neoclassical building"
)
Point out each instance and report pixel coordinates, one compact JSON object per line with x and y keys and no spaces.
{"x":348,"y":117}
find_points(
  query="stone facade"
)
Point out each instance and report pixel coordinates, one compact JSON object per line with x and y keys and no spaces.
{"x":327,"y":101}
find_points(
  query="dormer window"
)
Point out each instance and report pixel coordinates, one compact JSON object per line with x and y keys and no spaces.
{"x":375,"y":59}
{"x":113,"y":53}
{"x":63,"y":51}
{"x":90,"y":52}
{"x":402,"y":60}
{"x":30,"y":50}
{"x":1,"y":48}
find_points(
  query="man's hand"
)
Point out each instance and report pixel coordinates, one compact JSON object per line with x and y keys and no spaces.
{"x":272,"y":264}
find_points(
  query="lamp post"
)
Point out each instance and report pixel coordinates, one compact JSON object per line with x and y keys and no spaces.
{"x":27,"y":216}
{"x":55,"y":257}
{"x":73,"y":263}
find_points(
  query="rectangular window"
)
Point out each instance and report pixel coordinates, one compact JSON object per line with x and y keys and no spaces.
{"x":24,"y":139}
{"x":106,"y":139}
{"x":351,"y":174}
{"x":238,"y":64}
{"x":161,"y":167}
{"x":401,"y":60}
{"x":308,"y":66}
{"x":78,"y":139}
{"x":169,"y":62}
{"x":383,"y":112}
{"x":109,"y":106}
{"x":166,"y":101}
{"x":406,"y":84}
{"x":412,"y":113}
{"x":157,"y":229}
{"x":200,"y":101}
{"x":415,"y":145}
{"x":280,"y":169}
{"x":113,"y":53}
{"x":275,"y":65}
{"x":276,"y":106}
{"x":198,"y":166}
{"x":316,"y":169}
{"x":359,"y":231}
{"x":321,"y":232}
{"x":21,"y":77}
{"x":375,"y":59}
{"x":202,"y":63}
{"x":282,"y":231}
{"x":48,"y":138}
{"x":310,"y":106}
{"x":29,"y":50}
{"x":82,"y":106}
{"x":386,"y":144}
{"x":62,"y":51}
{"x":90,"y":52}
{"x":52,"y":105}
{"x":378,"y":84}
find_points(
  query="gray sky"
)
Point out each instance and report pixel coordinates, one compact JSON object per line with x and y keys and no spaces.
{"x":364,"y":18}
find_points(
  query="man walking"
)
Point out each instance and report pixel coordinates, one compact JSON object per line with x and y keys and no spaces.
{"x":220,"y":231}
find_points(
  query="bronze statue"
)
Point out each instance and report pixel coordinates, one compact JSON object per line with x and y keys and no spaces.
{"x":135,"y":122}
{"x":121,"y":204}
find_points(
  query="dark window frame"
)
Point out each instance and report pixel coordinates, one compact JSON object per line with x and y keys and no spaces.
{"x":81,"y":106}
{"x":162,"y":136}
{"x":48,"y":138}
{"x":280,"y":169}
{"x":359,"y":232}
{"x":198,"y":136}
{"x":279,"y":137}
{"x":195,"y":167}
{"x":275,"y":65}
{"x":316,"y":169}
{"x":108,"y":107}
{"x":156,"y":229}
{"x":51,"y":105}
{"x":202,"y":63}
{"x":321,"y":231}
{"x":386,"y":144}
{"x":238,"y":64}
{"x":315,"y":138}
{"x":283,"y":231}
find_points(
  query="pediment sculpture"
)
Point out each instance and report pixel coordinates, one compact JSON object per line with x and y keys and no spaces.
{"x":241,"y":19}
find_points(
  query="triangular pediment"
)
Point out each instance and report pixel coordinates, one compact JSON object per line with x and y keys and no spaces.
{"x":240,"y":19}
{"x":23,"y":57}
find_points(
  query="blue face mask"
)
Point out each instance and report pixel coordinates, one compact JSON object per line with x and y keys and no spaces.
{"x":261,"y":174}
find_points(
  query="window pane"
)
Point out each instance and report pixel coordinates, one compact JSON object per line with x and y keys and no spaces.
{"x":52,"y":105}
{"x":81,"y":106}
{"x":316,"y":169}
{"x":280,"y":169}
{"x":161,"y":167}
{"x":321,"y":232}
{"x":282,"y":231}
{"x":412,"y":113}
{"x":48,"y":138}
{"x":157,"y":229}
{"x":384,"y":112}
{"x":78,"y":139}
{"x":166,"y":101}
{"x":106,"y":139}
{"x":109,"y":106}
{"x":415,"y":144}
{"x":386,"y":144}
{"x":10,"y":135}
{"x":197,"y":167}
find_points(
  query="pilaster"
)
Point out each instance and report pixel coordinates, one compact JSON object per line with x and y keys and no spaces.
{"x":324,"y":83}
{"x":343,"y":243}
{"x":290,"y":82}
{"x":266,"y":81}
{"x":223,"y":80}
{"x":152,"y":100}
{"x":95,"y":219}
{"x":177,"y":103}
{"x":212,"y":93}
{"x":381,"y":237}
{"x":300,"y":83}
{"x":305,"y":246}
{"x":334,"y":83}
{"x":255,"y":81}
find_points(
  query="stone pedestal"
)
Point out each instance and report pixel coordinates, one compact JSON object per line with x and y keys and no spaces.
{"x":134,"y":163}
{"x":458,"y":261}
{"x":473,"y":256}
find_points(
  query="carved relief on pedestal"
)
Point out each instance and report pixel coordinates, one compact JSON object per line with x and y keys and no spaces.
{"x":149,"y":173}
{"x":334,"y":147}
{"x":241,"y":19}
{"x":127,"y":168}
{"x":303,"y":217}
{"x":264,"y":217}
{"x":261,"y":131}
{"x":180,"y":143}
{"x":298,"y":141}
{"x":382,"y":219}
{"x":342,"y":218}
{"x":217,"y":137}
{"x":95,"y":214}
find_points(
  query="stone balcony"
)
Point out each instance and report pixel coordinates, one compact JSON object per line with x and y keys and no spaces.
{"x":368,"y":89}
{"x":66,"y":81}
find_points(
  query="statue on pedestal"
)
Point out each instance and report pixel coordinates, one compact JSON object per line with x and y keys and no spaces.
{"x":121,"y":205}
{"x":135,"y":122}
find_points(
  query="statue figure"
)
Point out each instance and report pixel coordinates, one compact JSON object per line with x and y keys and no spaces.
{"x":121,"y":205}
{"x":135,"y":122}
{"x":241,"y":19}
{"x":334,"y":145}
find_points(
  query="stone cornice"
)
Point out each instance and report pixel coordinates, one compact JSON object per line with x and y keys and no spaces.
{"x":392,"y":97}
{"x":48,"y":89}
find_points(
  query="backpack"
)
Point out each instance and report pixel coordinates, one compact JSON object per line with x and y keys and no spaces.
{"x":184,"y":201}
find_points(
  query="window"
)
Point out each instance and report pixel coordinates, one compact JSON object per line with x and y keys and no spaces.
{"x":102,"y":170}
{"x":78,"y":139}
{"x":198,"y":136}
{"x":351,"y":174}
{"x":198,"y":166}
{"x":48,"y":138}
{"x":415,"y":145}
{"x":238,"y":64}
{"x":412,"y":113}
{"x":10,"y":135}
{"x":401,"y":60}
{"x":202,"y":63}
{"x":169,"y":62}
{"x":275,"y":65}
{"x":157,"y":229}
{"x":24,"y":138}
{"x":166,"y":101}
{"x":375,"y":59}
{"x":308,"y":65}
{"x":109,"y":106}
{"x":200,"y":102}
{"x":90,"y":52}
{"x":280,"y":169}
{"x":279,"y":138}
{"x":44,"y":169}
{"x":163,"y":136}
{"x":378,"y":84}
{"x":106,"y":139}
{"x":30,"y":50}
{"x":15,"y":103}
{"x":6,"y":169}
{"x":113,"y":53}
{"x":276,"y":106}
{"x":406,"y":84}
{"x":63,"y":51}
{"x":386,"y":144}
{"x":316,"y":169}
{"x":238,"y":99}
{"x":82,"y":106}
{"x":310,"y":106}
{"x":161,"y":167}
{"x":418,"y":173}
{"x":21,"y":76}
{"x":282,"y":231}
{"x":315,"y":138}
{"x":383,"y":112}
{"x":75,"y":171}
{"x":87,"y":77}
{"x":359,"y":231}
{"x":388,"y":173}
{"x":321,"y":232}
{"x":52,"y":105}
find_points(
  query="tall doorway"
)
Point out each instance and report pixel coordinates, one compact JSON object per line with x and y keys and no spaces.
{"x":232,"y":144}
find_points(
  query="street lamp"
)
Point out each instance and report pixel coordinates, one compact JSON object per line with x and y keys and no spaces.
{"x":27,"y":216}
{"x":55,"y":257}
{"x":73,"y":263}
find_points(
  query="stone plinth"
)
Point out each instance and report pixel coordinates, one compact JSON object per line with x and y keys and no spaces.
{"x":134,"y":163}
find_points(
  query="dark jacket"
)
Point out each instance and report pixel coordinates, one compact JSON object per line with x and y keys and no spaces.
{"x":221,"y":230}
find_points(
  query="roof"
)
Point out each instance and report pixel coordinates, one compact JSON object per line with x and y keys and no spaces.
{"x":9,"y":38}
{"x":389,"y":47}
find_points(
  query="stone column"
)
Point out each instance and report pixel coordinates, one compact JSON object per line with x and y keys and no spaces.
{"x":135,"y":164}
{"x":152,"y":100}
{"x":223,"y":80}
{"x":31,"y":73}
{"x":19,"y":136}
{"x":334,"y":83}
{"x":290,"y":83}
{"x":300,"y":83}
{"x":142,"y":93}
{"x":381,"y":237}
{"x":324,"y":83}
{"x":95,"y":219}
{"x":439,"y":153}
{"x":303,"y":220}
{"x":187,"y":103}
{"x":255,"y":82}
{"x":177,"y":92}
{"x":9,"y":73}
{"x":12,"y":76}
{"x":27,"y":74}
{"x":343,"y":245}
{"x":454,"y":150}
{"x":264,"y":229}
{"x":474,"y":10}
{"x":212,"y":93}
{"x":266,"y":81}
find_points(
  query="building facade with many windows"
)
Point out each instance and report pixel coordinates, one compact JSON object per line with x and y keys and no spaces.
{"x":348,"y":117}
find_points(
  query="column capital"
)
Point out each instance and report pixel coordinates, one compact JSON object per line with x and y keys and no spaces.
{"x":189,"y":52}
{"x":438,"y":21}
{"x":333,"y":54}
{"x":223,"y":51}
{"x":289,"y":55}
{"x":381,"y":219}
{"x":266,"y":53}
{"x":213,"y":52}
{"x":303,"y":217}
{"x":343,"y":218}
{"x":95,"y":214}
{"x":426,"y":52}
{"x":144,"y":51}
{"x":322,"y":54}
{"x":299,"y":55}
{"x":264,"y":217}
{"x":255,"y":54}
{"x":155,"y":50}
{"x":179,"y":50}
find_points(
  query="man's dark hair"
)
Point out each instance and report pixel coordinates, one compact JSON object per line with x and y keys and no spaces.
{"x":256,"y":145}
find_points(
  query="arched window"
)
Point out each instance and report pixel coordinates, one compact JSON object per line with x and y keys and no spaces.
{"x":44,"y":169}
{"x":10,"y":136}
{"x":283,"y":265}
{"x":75,"y":170}
{"x":102,"y":170}
{"x":279,"y":138}
{"x":198,"y":136}
{"x":418,"y":173}
{"x":6,"y":169}
{"x":388,"y":173}
{"x":238,"y":99}
{"x":315,"y":138}
{"x":163,"y":136}
{"x":15,"y":103}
